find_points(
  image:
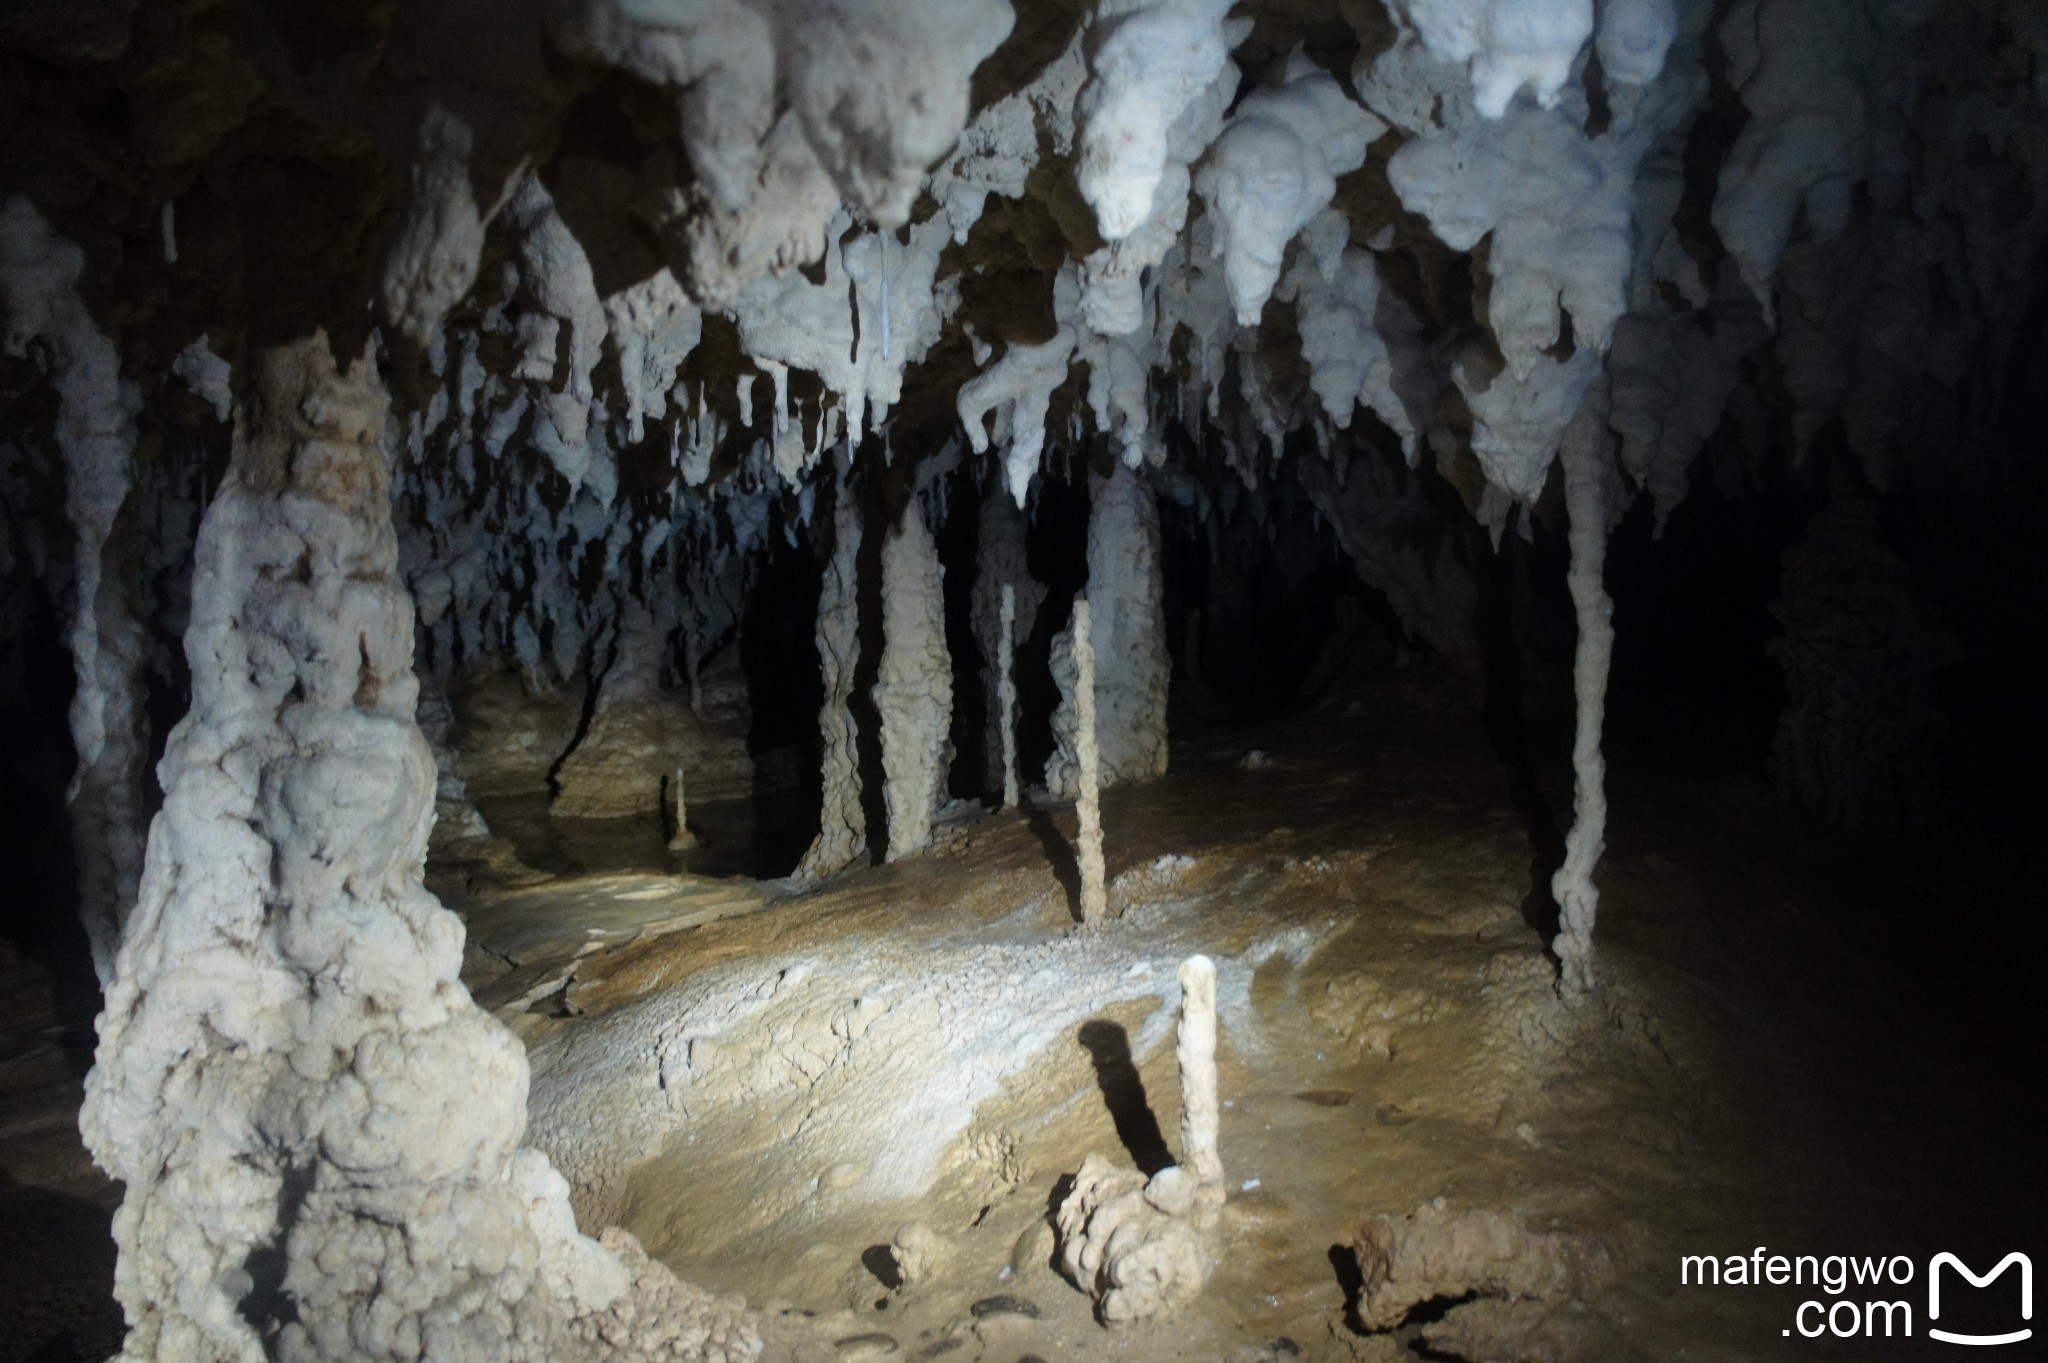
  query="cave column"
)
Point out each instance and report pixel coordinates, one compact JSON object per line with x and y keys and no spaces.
{"x":914,"y":693}
{"x":95,"y":430}
{"x":842,"y":835}
{"x":1588,"y":474}
{"x":1125,"y":587}
{"x":317,"y":1129}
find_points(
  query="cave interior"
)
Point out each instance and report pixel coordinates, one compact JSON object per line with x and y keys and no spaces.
{"x":1146,"y":679}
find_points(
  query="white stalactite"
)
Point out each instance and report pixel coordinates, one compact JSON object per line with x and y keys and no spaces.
{"x":39,"y":274}
{"x":914,"y":693}
{"x":289,"y":1069}
{"x":1588,"y":473}
{"x":1088,"y":804}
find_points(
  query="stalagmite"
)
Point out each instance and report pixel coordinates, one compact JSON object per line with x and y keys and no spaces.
{"x":1144,"y":1248}
{"x":680,"y":838}
{"x":842,"y":833}
{"x":318,"y":1131}
{"x":1125,"y":588}
{"x":1195,"y":1050}
{"x":1005,"y":605}
{"x":39,"y":275}
{"x":1088,"y":807}
{"x":1588,"y":473}
{"x":1006,"y":694}
{"x":914,"y":694}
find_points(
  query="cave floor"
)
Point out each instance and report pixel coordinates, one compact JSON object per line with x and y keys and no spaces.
{"x":764,"y":1081}
{"x":766,"y":1092}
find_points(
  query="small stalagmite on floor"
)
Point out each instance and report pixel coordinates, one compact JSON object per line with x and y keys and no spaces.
{"x":1144,"y":1248}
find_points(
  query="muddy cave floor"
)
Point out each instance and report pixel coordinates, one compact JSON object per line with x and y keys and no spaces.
{"x":764,"y":1082}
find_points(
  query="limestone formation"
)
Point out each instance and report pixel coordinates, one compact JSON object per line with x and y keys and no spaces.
{"x":914,"y":693}
{"x":1132,"y":667}
{"x":843,"y":833}
{"x":1006,"y":604}
{"x":39,"y":276}
{"x":1589,"y":473}
{"x":318,"y":1132}
{"x":1144,"y":1248}
{"x":1088,"y":782}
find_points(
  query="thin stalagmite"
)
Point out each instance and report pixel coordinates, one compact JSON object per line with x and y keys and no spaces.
{"x":1006,"y":694}
{"x":1088,"y":807}
{"x":1587,"y":471}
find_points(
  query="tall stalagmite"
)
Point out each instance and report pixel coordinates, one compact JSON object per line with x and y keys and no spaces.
{"x":1588,"y":472}
{"x":1002,"y":582}
{"x":914,"y":694}
{"x":39,"y":276}
{"x":1088,"y":802}
{"x":1132,"y":667}
{"x":842,"y":831}
{"x":318,"y":1131}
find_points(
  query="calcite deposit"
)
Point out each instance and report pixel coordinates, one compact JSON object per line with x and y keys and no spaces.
{"x":452,"y":423}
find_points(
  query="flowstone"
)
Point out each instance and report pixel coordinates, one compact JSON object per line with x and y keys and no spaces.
{"x":318,"y":1130}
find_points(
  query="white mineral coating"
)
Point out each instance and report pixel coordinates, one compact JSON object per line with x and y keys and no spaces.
{"x":914,"y":692}
{"x":433,"y":256}
{"x":1505,"y":44}
{"x":557,"y":286}
{"x":1149,"y":63}
{"x":1518,"y":423}
{"x":881,"y":87}
{"x":1195,"y":1050}
{"x":1362,"y":345}
{"x":1633,"y":38}
{"x":1125,"y":589}
{"x":653,"y":327}
{"x":95,"y":432}
{"x":1112,"y":278}
{"x":1019,"y":389}
{"x":1588,"y":481}
{"x":842,"y":834}
{"x":721,"y":56}
{"x":208,"y":375}
{"x":317,"y":1130}
{"x":1088,"y":795}
{"x":1798,"y":65}
{"x":1274,"y":168}
{"x":788,"y":320}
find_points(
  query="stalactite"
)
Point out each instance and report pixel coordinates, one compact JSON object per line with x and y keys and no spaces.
{"x":39,"y":274}
{"x":842,"y":833}
{"x":914,"y":693}
{"x":290,"y":1073}
{"x":1588,"y":475}
{"x":1088,"y":807}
